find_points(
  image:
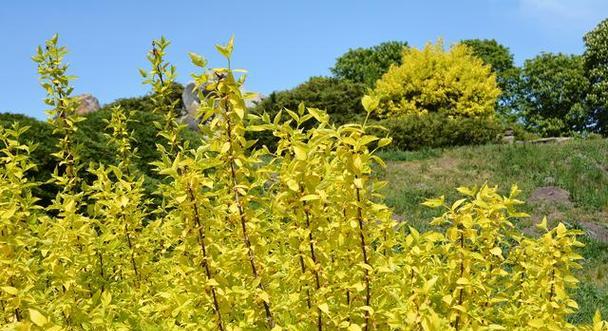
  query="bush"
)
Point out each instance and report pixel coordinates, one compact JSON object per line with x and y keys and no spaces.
{"x":341,"y":99}
{"x":416,"y":132}
{"x":93,"y":143}
{"x":244,"y":239}
{"x":432,"y":80}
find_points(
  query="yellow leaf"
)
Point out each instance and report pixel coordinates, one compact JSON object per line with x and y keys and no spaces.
{"x":536,"y":323}
{"x":384,"y":141}
{"x":293,"y":185}
{"x":463,"y":281}
{"x":572,"y":304}
{"x":496,"y":251}
{"x":318,"y":114}
{"x":324,"y":308}
{"x":225,"y":147}
{"x":434,"y":203}
{"x":543,"y":225}
{"x":10,"y":290}
{"x":181,"y":198}
{"x":354,"y":327}
{"x":357,"y":163}
{"x":370,"y":103}
{"x":264,"y":296}
{"x":309,"y":197}
{"x":37,"y":317}
{"x":300,"y":152}
{"x":597,"y":319}
{"x":466,"y":191}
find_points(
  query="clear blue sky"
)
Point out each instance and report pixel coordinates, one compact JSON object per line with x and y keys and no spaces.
{"x":281,"y":43}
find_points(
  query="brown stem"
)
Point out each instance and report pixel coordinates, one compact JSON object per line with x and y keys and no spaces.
{"x":313,"y":256}
{"x":243,"y":219}
{"x":133,"y":264}
{"x":201,"y":240}
{"x":552,"y":291}
{"x":461,"y":294}
{"x":101,"y":272}
{"x":368,"y":294}
{"x":303,"y":269}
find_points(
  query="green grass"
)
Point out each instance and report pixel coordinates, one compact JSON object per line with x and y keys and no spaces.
{"x":578,"y":166}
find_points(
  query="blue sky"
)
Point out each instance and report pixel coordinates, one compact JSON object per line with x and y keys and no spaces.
{"x":280,"y":43}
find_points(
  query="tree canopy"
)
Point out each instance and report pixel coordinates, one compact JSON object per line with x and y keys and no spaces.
{"x":452,"y":82}
{"x":367,"y":65}
{"x":340,"y":98}
{"x":499,"y":57}
{"x":596,"y":68}
{"x":553,"y":102}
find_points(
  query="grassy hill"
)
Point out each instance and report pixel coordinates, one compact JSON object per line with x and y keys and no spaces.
{"x":546,"y":173}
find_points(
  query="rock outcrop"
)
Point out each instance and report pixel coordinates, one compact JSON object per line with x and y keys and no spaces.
{"x":192,"y":102}
{"x":88,"y":104}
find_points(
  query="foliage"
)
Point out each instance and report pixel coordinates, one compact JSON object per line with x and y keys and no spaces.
{"x":553,"y":102}
{"x":507,"y":74}
{"x":414,"y":132}
{"x":146,"y":104}
{"x":431,"y":80}
{"x":596,"y":67}
{"x":94,"y":145}
{"x":576,"y":166}
{"x":209,"y":257}
{"x":492,"y":53}
{"x":341,"y":99}
{"x":367,"y":65}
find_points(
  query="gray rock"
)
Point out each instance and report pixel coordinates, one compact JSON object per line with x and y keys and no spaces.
{"x":88,"y":104}
{"x":191,"y":103}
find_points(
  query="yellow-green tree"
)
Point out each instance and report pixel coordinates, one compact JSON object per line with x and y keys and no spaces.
{"x":431,"y":79}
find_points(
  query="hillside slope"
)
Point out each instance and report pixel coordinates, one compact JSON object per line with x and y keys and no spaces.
{"x":566,"y":182}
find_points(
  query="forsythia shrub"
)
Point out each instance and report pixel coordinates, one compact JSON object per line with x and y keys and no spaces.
{"x":245,"y":239}
{"x":454,"y":83}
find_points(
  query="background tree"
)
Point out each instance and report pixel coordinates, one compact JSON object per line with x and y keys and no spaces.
{"x":554,"y":87}
{"x":367,"y":65}
{"x":452,"y":82}
{"x":596,"y":67}
{"x":500,"y":59}
{"x":340,"y":98}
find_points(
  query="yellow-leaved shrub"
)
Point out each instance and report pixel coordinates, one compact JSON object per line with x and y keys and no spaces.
{"x":453,"y":82}
{"x":248,"y":239}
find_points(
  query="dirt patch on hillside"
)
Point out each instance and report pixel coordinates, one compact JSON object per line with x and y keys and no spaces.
{"x":597,"y":230}
{"x":550,"y":195}
{"x":555,"y":204}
